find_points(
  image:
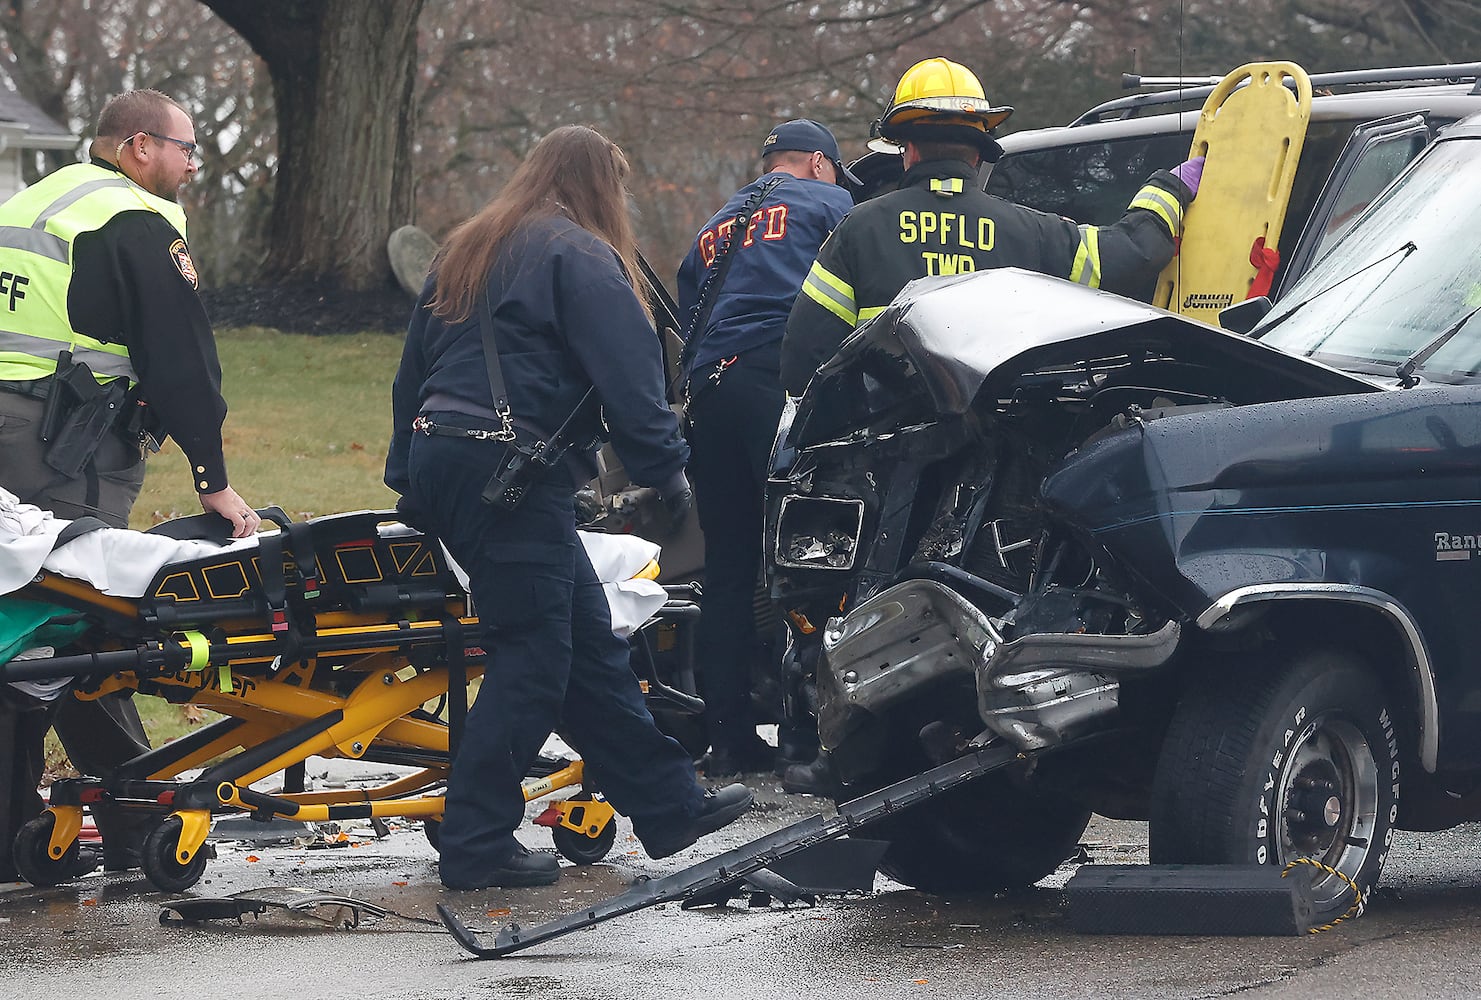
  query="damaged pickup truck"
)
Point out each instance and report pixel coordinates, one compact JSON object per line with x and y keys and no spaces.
{"x":1223,"y":583}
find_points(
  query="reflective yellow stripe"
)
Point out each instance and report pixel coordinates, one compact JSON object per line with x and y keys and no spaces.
{"x":29,"y":239}
{"x":946,"y":185}
{"x":76,"y":194}
{"x":105,"y":360}
{"x":1156,"y":200}
{"x":831,"y":292}
{"x":869,"y":312}
{"x":1086,"y":270}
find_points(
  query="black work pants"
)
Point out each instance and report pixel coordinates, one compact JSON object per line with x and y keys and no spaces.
{"x":98,"y":735}
{"x":733,"y":423}
{"x":23,"y":724}
{"x":552,"y":662}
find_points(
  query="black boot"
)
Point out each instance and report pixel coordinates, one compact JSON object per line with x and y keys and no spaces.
{"x":522,"y":867}
{"x":720,"y":808}
{"x":795,"y":748}
{"x":89,"y":856}
{"x":814,"y":778}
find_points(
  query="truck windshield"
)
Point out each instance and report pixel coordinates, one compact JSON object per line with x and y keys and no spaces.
{"x":1389,"y":314}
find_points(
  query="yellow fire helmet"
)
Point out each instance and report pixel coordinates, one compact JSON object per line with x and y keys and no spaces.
{"x":941,"y":101}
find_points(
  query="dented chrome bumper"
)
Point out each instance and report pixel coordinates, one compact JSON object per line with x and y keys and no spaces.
{"x":1045,"y":688}
{"x":1035,"y":691}
{"x":900,"y":639}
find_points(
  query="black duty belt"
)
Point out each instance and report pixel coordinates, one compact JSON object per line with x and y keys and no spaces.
{"x":40,"y":388}
{"x":424,"y":426}
{"x":35,"y":388}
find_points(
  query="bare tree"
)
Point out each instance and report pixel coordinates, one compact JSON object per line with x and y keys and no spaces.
{"x":690,"y":89}
{"x":343,"y":73}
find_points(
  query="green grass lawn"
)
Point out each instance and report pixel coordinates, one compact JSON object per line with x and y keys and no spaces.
{"x":307,"y":430}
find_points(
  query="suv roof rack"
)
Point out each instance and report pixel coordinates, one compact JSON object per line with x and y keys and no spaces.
{"x":1131,"y":107}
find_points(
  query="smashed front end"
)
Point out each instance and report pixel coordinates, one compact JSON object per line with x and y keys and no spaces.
{"x":912,"y":545}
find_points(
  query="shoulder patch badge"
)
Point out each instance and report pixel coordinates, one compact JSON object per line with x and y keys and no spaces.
{"x":182,"y":260}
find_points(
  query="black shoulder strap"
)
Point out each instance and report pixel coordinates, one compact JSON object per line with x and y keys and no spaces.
{"x":709,"y":290}
{"x":491,"y":353}
{"x":496,"y":372}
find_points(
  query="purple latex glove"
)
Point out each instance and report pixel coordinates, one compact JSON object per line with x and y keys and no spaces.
{"x":1190,"y":173}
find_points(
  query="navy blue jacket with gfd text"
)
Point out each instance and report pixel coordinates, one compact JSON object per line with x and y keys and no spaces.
{"x":771,"y":261}
{"x":565,"y":319}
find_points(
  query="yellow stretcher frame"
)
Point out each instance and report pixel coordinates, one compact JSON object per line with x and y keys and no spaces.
{"x":237,"y":674}
{"x":1252,"y":129}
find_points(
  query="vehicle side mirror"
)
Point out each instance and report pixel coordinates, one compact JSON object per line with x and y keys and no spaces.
{"x":1242,"y":316}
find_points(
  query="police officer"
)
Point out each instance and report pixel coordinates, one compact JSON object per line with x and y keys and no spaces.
{"x":940,"y":221}
{"x":550,"y":259}
{"x":735,"y":398}
{"x":94,"y":263}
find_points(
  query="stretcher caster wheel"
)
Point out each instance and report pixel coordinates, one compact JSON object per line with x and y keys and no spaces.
{"x":579,"y":848}
{"x":33,"y":858}
{"x":162,"y":867}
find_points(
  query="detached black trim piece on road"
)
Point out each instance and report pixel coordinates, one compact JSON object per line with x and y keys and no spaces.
{"x":733,"y":866}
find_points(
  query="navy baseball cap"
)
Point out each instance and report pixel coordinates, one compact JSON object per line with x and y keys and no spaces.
{"x":807,"y":136}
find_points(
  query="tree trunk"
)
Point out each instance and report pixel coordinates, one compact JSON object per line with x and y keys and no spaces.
{"x":343,"y":73}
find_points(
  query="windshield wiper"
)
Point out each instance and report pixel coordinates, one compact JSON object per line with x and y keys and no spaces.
{"x":1405,"y":372}
{"x":1406,"y":249}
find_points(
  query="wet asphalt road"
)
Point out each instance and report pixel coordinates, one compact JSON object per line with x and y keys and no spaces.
{"x":101,"y":936}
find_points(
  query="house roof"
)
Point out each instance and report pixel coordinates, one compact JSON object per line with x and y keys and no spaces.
{"x":36,"y":129}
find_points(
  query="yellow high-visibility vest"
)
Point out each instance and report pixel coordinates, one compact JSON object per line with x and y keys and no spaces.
{"x":39,"y":227}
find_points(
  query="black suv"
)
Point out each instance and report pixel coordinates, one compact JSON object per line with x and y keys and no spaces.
{"x":1220,"y":582}
{"x":1365,"y":126}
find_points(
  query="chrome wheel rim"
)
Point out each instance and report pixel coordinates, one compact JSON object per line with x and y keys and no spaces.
{"x":1326,"y":804}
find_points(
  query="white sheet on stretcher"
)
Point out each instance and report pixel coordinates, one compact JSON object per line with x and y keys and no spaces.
{"x":121,"y":562}
{"x":616,"y":559}
{"x":113,"y":561}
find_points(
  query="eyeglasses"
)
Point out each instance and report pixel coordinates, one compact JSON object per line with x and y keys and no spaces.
{"x":189,"y":147}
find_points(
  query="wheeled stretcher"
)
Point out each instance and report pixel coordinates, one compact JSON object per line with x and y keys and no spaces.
{"x":341,"y":636}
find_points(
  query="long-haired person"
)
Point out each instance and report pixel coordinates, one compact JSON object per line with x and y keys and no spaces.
{"x":551,"y":259}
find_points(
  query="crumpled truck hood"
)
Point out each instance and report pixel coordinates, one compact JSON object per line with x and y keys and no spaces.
{"x":986,"y":331}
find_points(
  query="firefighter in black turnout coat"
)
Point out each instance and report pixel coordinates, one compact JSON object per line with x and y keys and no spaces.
{"x":940,"y":221}
{"x":551,"y":256}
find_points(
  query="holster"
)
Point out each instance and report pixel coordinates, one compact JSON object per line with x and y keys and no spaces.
{"x":79,"y":413}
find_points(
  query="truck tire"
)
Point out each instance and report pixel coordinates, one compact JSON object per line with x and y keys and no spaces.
{"x":1295,"y":757}
{"x":990,"y":835}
